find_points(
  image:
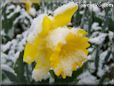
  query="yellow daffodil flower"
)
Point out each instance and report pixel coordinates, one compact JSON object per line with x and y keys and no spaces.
{"x":52,"y":45}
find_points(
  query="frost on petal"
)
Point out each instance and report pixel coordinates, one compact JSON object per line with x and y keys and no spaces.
{"x":69,"y":50}
{"x":41,"y":69}
{"x":36,"y":38}
{"x":63,"y":14}
{"x":55,"y":37}
{"x":69,"y":62}
{"x":35,"y":28}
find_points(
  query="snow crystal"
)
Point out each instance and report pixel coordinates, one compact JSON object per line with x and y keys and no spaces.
{"x":14,"y":47}
{"x":87,"y":78}
{"x":102,"y":13}
{"x":89,"y":57}
{"x":101,"y":71}
{"x":82,"y":12}
{"x":95,"y":33}
{"x":9,"y":8}
{"x":7,"y":68}
{"x":51,"y":79}
{"x":91,"y":67}
{"x":3,"y":32}
{"x":111,"y":35}
{"x":95,"y":26}
{"x":6,"y":46}
{"x":17,"y":9}
{"x":94,"y":8}
{"x":55,"y":37}
{"x":99,"y":39}
{"x":3,"y":57}
{"x":64,"y":8}
{"x":36,"y":27}
{"x":90,"y":49}
{"x":112,"y":82}
{"x":22,"y":16}
{"x":33,"y":11}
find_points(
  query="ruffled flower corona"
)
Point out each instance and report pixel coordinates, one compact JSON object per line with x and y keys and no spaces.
{"x":54,"y":46}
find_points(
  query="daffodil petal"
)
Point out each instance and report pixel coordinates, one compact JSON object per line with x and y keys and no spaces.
{"x":69,"y":50}
{"x":41,"y":69}
{"x":69,"y":62}
{"x":55,"y":37}
{"x":36,"y":39}
{"x":63,"y":14}
{"x":47,"y":25}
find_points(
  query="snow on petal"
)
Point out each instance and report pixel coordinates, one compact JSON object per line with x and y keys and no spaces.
{"x":36,"y":38}
{"x":69,"y":51}
{"x":63,"y":14}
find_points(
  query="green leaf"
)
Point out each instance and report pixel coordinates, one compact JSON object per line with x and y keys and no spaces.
{"x":10,"y":75}
{"x":19,"y":69}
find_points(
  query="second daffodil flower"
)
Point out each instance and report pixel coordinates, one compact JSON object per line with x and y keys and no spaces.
{"x":53,"y":45}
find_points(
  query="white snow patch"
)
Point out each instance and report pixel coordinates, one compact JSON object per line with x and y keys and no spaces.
{"x":7,"y":68}
{"x":95,"y":26}
{"x":91,"y":67}
{"x":14,"y":47}
{"x":101,"y":71}
{"x":3,"y":32}
{"x":99,"y":39}
{"x":6,"y":46}
{"x":33,"y":11}
{"x":94,"y":8}
{"x":35,"y":28}
{"x":9,"y":8}
{"x":87,"y":78}
{"x":111,"y":35}
{"x":17,"y":9}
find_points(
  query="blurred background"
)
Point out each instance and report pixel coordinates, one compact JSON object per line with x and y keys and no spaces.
{"x":97,"y":20}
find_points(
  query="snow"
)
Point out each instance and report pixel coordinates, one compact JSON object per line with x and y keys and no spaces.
{"x":57,"y":36}
{"x":16,"y":10}
{"x":111,"y":35}
{"x":7,"y":68}
{"x":101,"y":71}
{"x":9,"y":8}
{"x":51,"y":79}
{"x":6,"y":46}
{"x":91,"y":67}
{"x":35,"y":28}
{"x":95,"y":26}
{"x":102,"y":14}
{"x":99,"y":39}
{"x":2,"y":32}
{"x":23,"y":14}
{"x":33,"y":11}
{"x":14,"y":47}
{"x":63,"y":8}
{"x":112,"y":82}
{"x":82,"y":12}
{"x":94,"y":8}
{"x":106,"y":4}
{"x":3,"y":57}
{"x":87,"y":78}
